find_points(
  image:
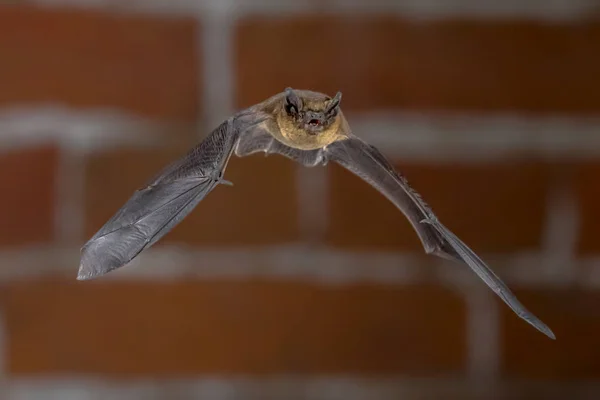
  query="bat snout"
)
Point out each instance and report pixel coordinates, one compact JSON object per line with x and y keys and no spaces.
{"x":313,"y":122}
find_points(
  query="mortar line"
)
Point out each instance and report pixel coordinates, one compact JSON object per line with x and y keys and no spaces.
{"x":562,"y":228}
{"x":540,"y":10}
{"x":216,"y":54}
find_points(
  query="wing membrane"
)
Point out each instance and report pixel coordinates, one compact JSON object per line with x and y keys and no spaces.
{"x":148,"y":215}
{"x":369,"y":164}
{"x":154,"y":210}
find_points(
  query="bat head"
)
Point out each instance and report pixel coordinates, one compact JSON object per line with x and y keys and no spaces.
{"x":312,"y":113}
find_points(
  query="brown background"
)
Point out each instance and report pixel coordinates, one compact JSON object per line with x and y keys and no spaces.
{"x":265,"y":327}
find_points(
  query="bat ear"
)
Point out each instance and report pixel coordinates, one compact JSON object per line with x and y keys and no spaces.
{"x":293,"y":103}
{"x":335,"y":102}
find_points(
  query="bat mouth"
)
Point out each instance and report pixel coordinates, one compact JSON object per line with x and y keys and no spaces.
{"x":313,"y":123}
{"x":313,"y":128}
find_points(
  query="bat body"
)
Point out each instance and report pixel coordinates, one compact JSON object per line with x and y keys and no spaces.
{"x":304,"y":126}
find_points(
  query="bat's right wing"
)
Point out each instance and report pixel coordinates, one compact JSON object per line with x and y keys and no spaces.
{"x":154,"y":210}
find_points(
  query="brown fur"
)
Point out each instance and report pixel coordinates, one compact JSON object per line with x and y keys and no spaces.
{"x":286,"y":130}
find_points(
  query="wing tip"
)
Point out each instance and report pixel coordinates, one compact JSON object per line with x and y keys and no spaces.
{"x":94,"y":262}
{"x":86,"y":274}
{"x":540,"y":326}
{"x":88,"y":271}
{"x":524,"y":314}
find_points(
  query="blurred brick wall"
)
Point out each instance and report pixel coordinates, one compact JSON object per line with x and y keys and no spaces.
{"x":294,"y":272}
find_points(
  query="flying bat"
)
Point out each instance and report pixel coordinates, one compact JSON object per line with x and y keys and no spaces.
{"x":305,"y":126}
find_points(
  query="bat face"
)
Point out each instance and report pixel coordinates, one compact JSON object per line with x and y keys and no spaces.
{"x":309,"y":120}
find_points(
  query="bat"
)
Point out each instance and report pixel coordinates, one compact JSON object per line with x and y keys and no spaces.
{"x":305,"y":126}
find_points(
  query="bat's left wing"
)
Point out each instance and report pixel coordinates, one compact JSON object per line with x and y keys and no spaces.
{"x":365,"y":161}
{"x":155,"y":209}
{"x":369,"y":164}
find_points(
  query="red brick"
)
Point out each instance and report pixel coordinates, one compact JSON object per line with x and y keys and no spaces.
{"x":144,"y":64}
{"x":260,"y":209}
{"x":126,"y":329}
{"x":496,"y":207}
{"x":381,"y":61}
{"x":573,"y":316}
{"x":585,"y":184}
{"x":28,"y":182}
